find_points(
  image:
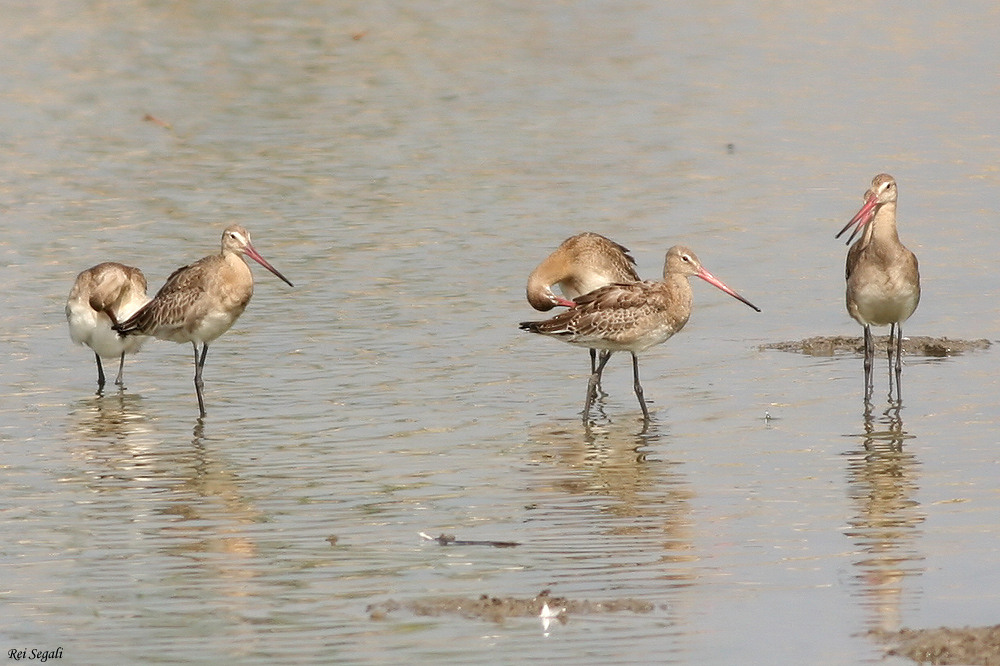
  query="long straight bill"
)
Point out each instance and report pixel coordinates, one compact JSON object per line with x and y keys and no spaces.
{"x":716,"y":282}
{"x":255,"y":255}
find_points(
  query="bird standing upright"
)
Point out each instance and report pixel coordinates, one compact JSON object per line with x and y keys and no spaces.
{"x":201,"y":301}
{"x":883,"y":280}
{"x":102,"y":296}
{"x":632,"y":317}
{"x":581,"y":264}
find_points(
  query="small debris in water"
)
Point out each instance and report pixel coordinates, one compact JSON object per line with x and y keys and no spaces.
{"x":150,"y":118}
{"x":547,"y":615}
{"x":450,"y":540}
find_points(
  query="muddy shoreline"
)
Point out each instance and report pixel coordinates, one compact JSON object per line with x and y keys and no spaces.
{"x":498,"y":609}
{"x":944,"y":645}
{"x":914,"y":346}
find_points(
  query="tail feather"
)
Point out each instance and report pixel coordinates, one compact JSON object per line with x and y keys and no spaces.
{"x":134,"y":325}
{"x":555,"y":326}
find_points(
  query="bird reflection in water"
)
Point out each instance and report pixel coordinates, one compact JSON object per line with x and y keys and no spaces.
{"x":114,"y":416}
{"x":642,"y":500}
{"x":882,"y":483}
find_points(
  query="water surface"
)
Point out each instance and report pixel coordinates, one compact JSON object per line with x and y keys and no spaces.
{"x":406,"y":168}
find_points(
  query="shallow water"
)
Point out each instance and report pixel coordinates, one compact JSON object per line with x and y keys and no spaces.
{"x":406,"y":168}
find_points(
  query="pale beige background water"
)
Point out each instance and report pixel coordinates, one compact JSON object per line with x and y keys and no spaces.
{"x":406,"y":165}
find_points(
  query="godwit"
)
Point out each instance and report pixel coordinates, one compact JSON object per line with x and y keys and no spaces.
{"x":101,"y":297}
{"x":200,"y":302}
{"x":883,"y":282}
{"x":581,"y":264}
{"x":631,"y":317}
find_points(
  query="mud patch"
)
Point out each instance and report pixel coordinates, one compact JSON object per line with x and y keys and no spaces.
{"x":945,"y":645}
{"x":913,"y":346}
{"x":498,"y":609}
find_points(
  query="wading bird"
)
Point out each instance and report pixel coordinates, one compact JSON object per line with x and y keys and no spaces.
{"x":631,"y":317}
{"x":101,"y":297}
{"x":200,"y":302}
{"x":581,"y":264}
{"x":883,"y":282}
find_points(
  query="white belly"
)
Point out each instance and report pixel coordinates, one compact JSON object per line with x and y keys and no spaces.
{"x":93,"y":329}
{"x":881,"y":305}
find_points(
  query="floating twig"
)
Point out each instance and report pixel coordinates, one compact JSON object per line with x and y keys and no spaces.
{"x":150,"y":118}
{"x":450,"y":540}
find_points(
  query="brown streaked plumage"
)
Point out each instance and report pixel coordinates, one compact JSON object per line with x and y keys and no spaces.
{"x":581,"y":264}
{"x":102,"y":296}
{"x":200,"y":302}
{"x":632,"y":317}
{"x":883,"y":279}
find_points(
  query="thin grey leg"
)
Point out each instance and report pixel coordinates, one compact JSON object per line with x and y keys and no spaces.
{"x":121,"y":371}
{"x":638,"y":386}
{"x":869,"y":359}
{"x":100,"y":372}
{"x":199,"y":384}
{"x":592,"y":383}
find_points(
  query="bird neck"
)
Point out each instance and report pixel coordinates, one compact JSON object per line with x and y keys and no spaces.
{"x":679,"y":286}
{"x":236,"y":262}
{"x":883,"y":227}
{"x":539,"y":290}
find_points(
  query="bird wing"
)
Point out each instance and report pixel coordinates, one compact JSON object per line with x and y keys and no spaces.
{"x":608,"y":313}
{"x":172,"y":306}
